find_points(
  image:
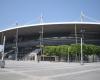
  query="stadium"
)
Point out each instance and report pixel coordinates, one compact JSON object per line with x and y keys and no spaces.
{"x":27,"y":40}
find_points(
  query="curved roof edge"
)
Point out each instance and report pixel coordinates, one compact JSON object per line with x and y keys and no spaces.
{"x":51,"y":23}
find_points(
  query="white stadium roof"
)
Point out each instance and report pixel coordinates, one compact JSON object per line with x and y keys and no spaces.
{"x":53,"y":23}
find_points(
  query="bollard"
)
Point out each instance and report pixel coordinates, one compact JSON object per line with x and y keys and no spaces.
{"x":2,"y":64}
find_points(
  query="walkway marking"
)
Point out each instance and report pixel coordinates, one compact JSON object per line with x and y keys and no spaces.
{"x":73,"y":73}
{"x":30,"y":77}
{"x":51,"y":68}
{"x":55,"y":68}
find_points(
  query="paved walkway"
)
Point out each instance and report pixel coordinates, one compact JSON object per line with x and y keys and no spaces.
{"x":29,"y":70}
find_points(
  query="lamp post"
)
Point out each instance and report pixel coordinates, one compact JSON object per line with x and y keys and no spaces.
{"x":82,"y":41}
{"x":82,"y":33}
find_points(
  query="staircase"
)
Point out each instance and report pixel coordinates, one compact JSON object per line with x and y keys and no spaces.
{"x":32,"y":55}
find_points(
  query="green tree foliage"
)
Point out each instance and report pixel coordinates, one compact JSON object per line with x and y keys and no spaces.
{"x":74,"y":49}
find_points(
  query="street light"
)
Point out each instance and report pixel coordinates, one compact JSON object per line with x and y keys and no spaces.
{"x":81,"y":51}
{"x":81,"y":62}
{"x":82,"y":33}
{"x":82,"y":38}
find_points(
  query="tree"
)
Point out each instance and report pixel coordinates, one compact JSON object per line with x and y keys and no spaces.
{"x":74,"y":50}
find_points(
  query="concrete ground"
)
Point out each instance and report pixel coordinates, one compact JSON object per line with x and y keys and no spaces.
{"x":29,"y":70}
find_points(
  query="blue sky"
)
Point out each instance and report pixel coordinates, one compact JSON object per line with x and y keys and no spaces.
{"x":29,"y":11}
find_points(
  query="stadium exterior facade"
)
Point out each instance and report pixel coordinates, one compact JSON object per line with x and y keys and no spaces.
{"x":28,"y":38}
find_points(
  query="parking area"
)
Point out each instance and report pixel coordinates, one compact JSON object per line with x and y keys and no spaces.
{"x":30,"y":70}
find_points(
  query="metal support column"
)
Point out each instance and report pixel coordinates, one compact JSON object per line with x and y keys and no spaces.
{"x":41,"y":36}
{"x":81,"y":52}
{"x":16,"y":57}
{"x":68,"y":56}
{"x":3,"y":54}
{"x":75,"y":34}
